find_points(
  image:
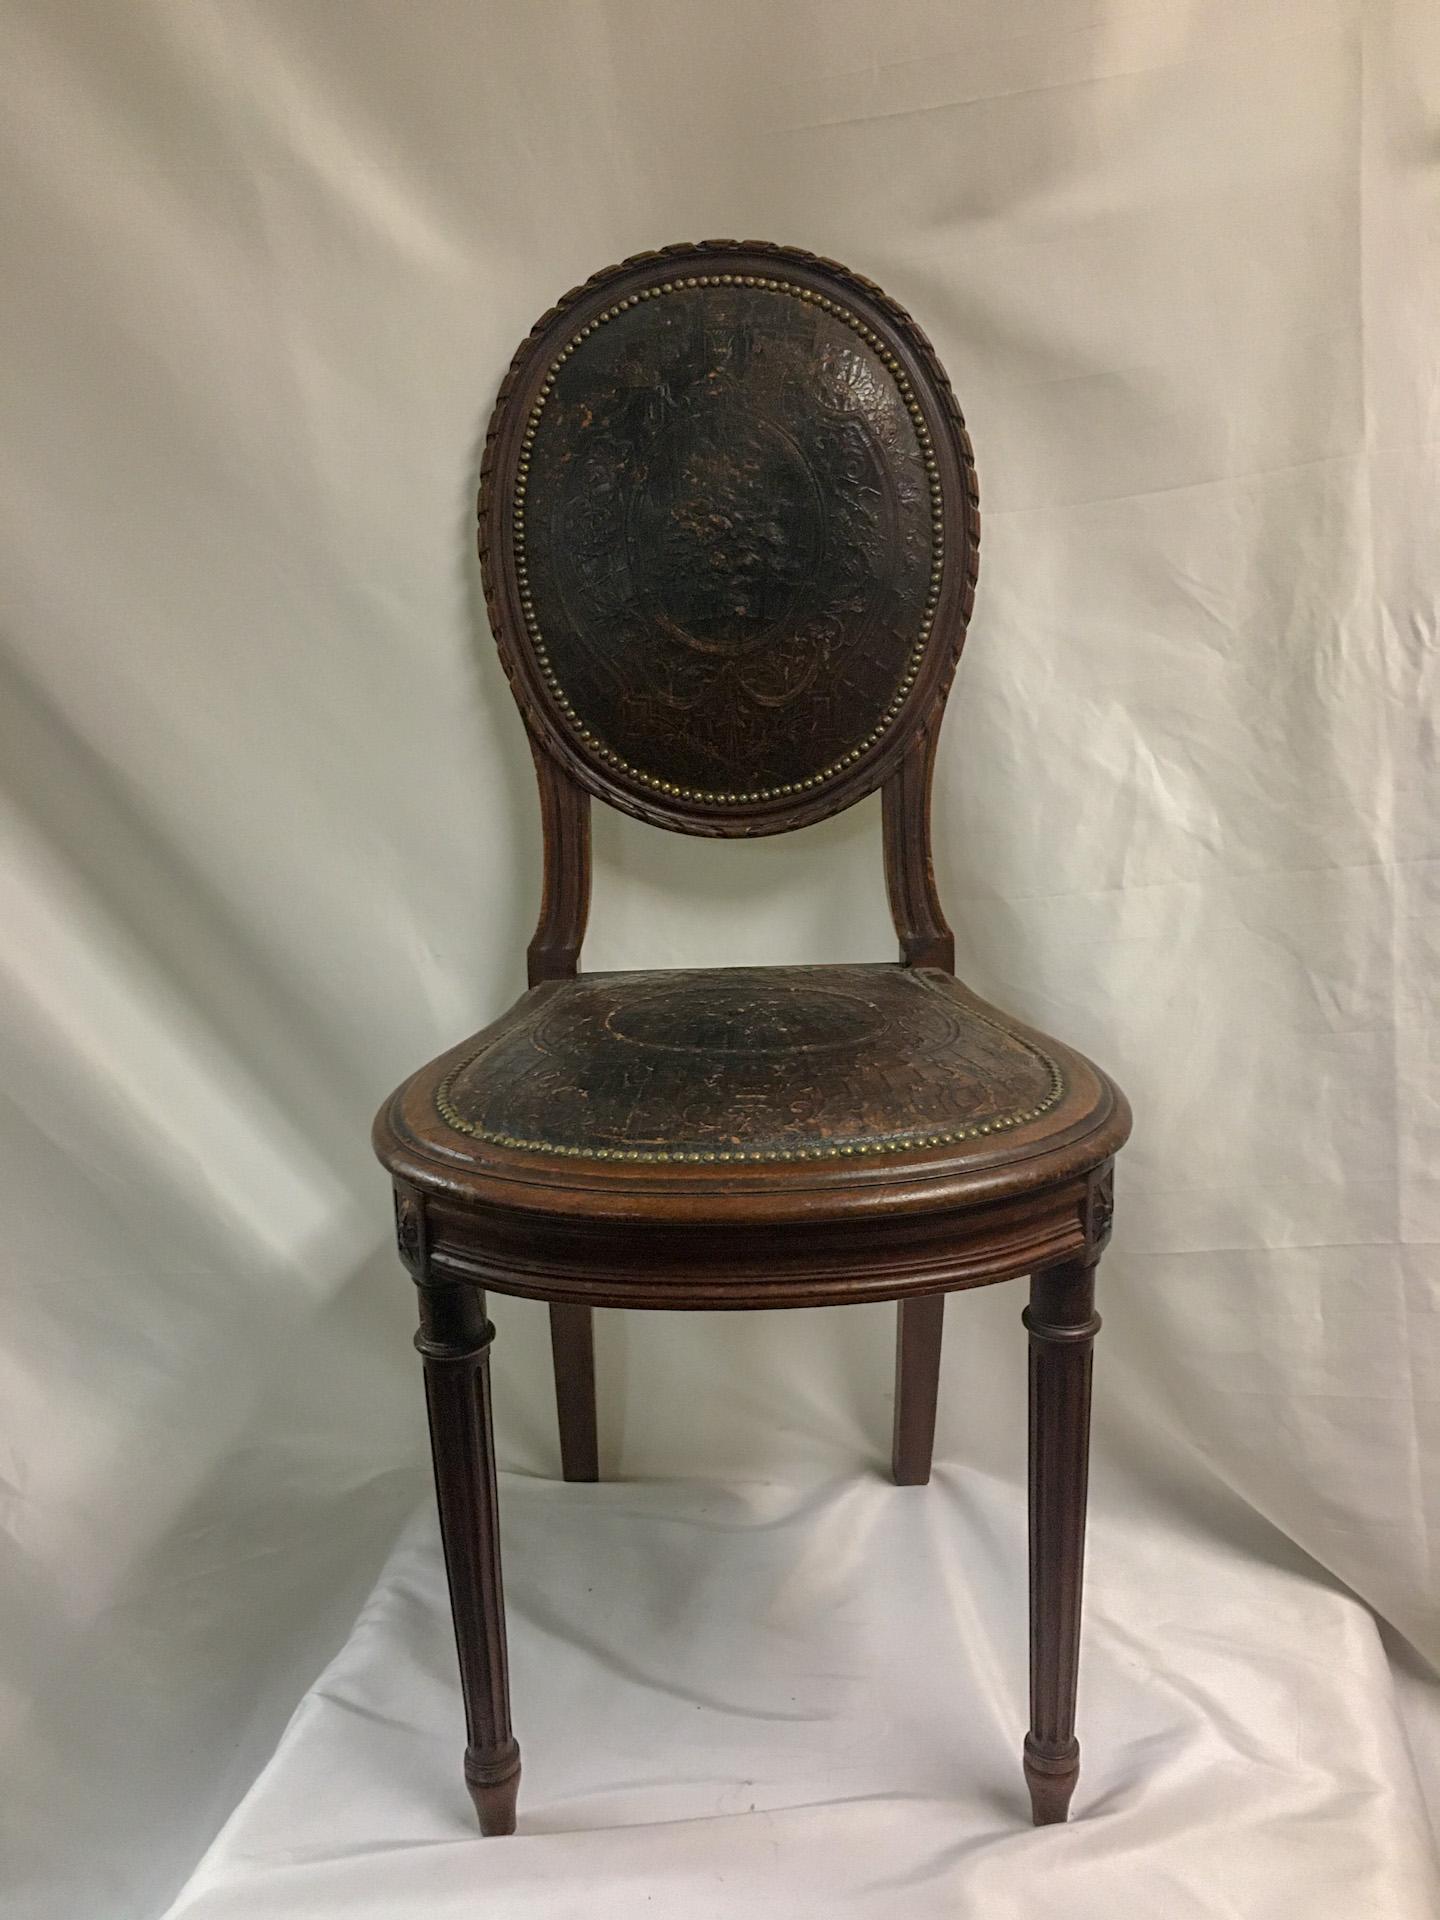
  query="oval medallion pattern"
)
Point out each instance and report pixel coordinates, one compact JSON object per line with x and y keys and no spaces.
{"x":726,"y":529}
{"x":733,"y":1017}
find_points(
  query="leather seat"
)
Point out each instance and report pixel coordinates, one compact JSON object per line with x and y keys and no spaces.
{"x":827,"y":1088}
{"x":747,"y":1064}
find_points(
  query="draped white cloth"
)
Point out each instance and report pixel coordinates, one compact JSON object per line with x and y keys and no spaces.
{"x":271,"y":841}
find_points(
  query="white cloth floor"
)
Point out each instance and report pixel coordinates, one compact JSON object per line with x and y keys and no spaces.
{"x":810,"y":1701}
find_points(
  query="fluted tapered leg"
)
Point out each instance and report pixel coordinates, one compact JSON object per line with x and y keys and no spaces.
{"x":1062,"y":1322}
{"x":572,"y":1347}
{"x":454,"y":1340}
{"x":920,"y":1323}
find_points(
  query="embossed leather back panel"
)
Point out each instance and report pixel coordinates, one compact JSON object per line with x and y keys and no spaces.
{"x":729,"y":535}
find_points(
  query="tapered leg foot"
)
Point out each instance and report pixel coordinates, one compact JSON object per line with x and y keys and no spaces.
{"x":1051,"y":1779}
{"x":572,"y":1347}
{"x":920,"y":1324}
{"x":1062,"y":1322}
{"x":494,"y":1784}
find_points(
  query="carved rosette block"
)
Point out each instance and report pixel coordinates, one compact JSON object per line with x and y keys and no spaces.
{"x":410,"y":1230}
{"x":1098,"y":1209}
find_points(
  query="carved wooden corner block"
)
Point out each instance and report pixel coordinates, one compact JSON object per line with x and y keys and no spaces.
{"x":1097,"y":1211}
{"x":411,"y":1235}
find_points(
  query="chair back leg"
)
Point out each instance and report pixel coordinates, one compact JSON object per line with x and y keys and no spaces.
{"x":572,"y":1347}
{"x":918,"y":1331}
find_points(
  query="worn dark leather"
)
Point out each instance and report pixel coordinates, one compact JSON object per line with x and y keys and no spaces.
{"x":727,"y":539}
{"x":747,"y":1063}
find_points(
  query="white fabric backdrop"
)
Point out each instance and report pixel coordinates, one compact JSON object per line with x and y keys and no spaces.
{"x":271,"y":841}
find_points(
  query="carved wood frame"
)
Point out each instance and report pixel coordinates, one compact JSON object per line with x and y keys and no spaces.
{"x":580,"y":1235}
{"x":901,"y":763}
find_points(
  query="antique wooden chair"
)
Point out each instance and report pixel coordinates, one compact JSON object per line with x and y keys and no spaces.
{"x":728,"y":533}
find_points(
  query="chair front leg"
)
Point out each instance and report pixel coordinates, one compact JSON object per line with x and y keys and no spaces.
{"x":454,"y":1341}
{"x":919,"y":1325}
{"x":1062,"y":1323}
{"x":572,"y":1348}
